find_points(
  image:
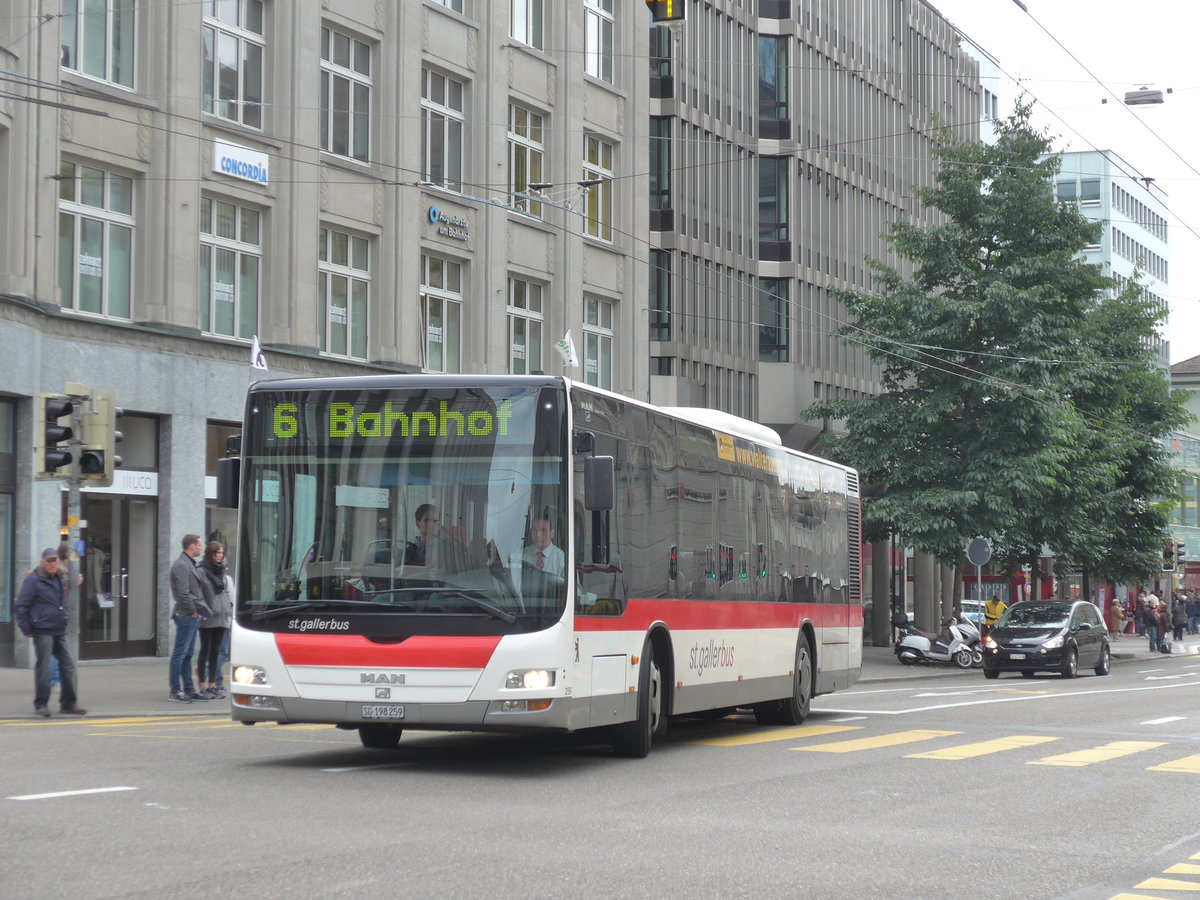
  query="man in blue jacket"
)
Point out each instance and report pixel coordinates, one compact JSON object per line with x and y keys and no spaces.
{"x":42,"y":614}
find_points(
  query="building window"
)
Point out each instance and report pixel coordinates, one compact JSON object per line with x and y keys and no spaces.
{"x":1068,"y":191}
{"x":660,"y":295}
{"x":772,"y":198}
{"x":598,"y":168}
{"x":524,"y":327}
{"x":230,"y":268}
{"x":660,"y":162}
{"x":233,"y":60}
{"x":598,"y":39}
{"x":525,"y":22}
{"x":525,"y":152}
{"x":441,"y":314}
{"x":441,"y":129}
{"x":660,"y":51}
{"x":598,"y":342}
{"x":344,"y":288}
{"x":99,"y":40}
{"x":1089,"y":190}
{"x":95,"y":240}
{"x":456,"y":5}
{"x":773,"y":319}
{"x":773,"y":78}
{"x":345,"y":95}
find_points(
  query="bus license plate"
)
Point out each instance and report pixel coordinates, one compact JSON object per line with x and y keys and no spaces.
{"x":382,"y":711}
{"x":1017,"y":656}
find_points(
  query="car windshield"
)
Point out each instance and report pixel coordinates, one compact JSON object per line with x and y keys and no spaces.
{"x":1036,"y":615}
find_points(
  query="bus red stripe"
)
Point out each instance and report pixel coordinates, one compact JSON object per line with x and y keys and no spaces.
{"x":689,"y":615}
{"x":418,"y":652}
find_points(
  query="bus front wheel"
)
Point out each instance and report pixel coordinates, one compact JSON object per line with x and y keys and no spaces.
{"x":633,"y":739}
{"x":794,"y":709}
{"x":380,"y":737}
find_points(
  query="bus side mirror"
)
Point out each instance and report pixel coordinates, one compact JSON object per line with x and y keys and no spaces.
{"x":229,"y":478}
{"x":598,"y":482}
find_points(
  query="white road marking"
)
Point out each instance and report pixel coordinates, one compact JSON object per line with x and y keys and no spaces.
{"x":956,"y":693}
{"x":1164,"y":677}
{"x":106,"y":790}
{"x":848,"y":719}
{"x":1163,"y":721}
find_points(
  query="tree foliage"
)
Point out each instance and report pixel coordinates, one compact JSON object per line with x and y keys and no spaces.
{"x":1020,"y":398}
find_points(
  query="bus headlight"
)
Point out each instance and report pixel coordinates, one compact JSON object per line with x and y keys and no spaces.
{"x":249,"y":675}
{"x":537,"y":679}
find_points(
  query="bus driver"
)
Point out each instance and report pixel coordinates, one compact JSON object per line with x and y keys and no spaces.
{"x":542,"y":554}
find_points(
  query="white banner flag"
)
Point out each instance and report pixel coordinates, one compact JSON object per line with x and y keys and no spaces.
{"x":566,"y":347}
{"x":257,"y":359}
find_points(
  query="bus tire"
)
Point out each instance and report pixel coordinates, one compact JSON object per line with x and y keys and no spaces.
{"x":794,"y":709}
{"x":380,"y":737}
{"x":633,"y":739}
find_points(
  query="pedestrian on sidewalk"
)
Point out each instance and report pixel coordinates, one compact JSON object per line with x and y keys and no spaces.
{"x":1193,"y":613}
{"x":1150,"y":625}
{"x":1139,"y":613}
{"x":189,"y":607}
{"x":1118,"y":619}
{"x":992,"y":611}
{"x":1179,"y":618}
{"x":43,"y":612}
{"x":213,"y":627}
{"x":1164,"y":627}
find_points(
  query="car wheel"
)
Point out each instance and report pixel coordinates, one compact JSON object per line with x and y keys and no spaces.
{"x":1105,"y":664}
{"x":991,"y":673}
{"x":379,"y":737}
{"x":1070,"y":663}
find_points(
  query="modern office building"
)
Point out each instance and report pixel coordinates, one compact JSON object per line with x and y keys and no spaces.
{"x":774,"y":170}
{"x":424,"y":185}
{"x":1133,"y":212}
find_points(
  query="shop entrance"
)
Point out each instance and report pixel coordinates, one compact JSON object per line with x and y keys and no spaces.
{"x":116,"y":597}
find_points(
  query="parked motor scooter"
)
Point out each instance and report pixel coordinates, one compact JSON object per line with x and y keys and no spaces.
{"x":958,"y":643}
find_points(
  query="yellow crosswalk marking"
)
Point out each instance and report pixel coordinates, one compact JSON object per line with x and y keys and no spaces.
{"x":779,"y":734}
{"x":1183,"y":869}
{"x":983,"y":748}
{"x":872,"y":743}
{"x":1103,"y":753}
{"x":1167,"y":884}
{"x":1134,"y":897}
{"x":1189,"y":765}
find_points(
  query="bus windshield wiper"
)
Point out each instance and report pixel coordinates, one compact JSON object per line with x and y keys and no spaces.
{"x":477,"y":601}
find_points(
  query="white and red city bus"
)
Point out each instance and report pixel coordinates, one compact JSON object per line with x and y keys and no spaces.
{"x":388,"y":572}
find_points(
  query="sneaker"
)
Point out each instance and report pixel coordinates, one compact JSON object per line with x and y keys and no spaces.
{"x":42,"y":711}
{"x":75,"y":711}
{"x":200,"y":695}
{"x":216,"y":693}
{"x":180,"y":697}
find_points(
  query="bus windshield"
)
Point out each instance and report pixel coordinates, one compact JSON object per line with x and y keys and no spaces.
{"x":388,"y":512}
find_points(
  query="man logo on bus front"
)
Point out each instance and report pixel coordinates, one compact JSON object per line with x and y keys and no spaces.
{"x":380,"y":678}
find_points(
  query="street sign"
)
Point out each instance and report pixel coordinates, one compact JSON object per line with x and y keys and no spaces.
{"x":979,"y":552}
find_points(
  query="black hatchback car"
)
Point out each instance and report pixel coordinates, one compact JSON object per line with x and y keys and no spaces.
{"x":1048,"y":635}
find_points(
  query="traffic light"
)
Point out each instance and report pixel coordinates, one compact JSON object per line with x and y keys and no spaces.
{"x":667,"y":10}
{"x":1180,"y":554}
{"x":1169,"y":558}
{"x":98,"y":458}
{"x":52,"y":434}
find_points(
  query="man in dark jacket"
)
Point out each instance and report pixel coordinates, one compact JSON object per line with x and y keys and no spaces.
{"x":42,"y":614}
{"x":190,"y":606}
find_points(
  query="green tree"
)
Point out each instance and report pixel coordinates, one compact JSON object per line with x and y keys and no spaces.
{"x":1019,"y":401}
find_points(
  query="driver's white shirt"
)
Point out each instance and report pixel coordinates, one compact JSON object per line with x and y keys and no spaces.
{"x":555,"y":559}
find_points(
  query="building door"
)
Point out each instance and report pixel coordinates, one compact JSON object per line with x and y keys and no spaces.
{"x":117,"y":602}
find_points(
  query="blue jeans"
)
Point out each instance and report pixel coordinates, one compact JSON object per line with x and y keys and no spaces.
{"x":47,"y":647}
{"x":181,"y":656}
{"x":1194,"y":624}
{"x":1152,"y":633}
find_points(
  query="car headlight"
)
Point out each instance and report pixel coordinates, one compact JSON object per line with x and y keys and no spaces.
{"x":536,"y":679}
{"x":990,"y":644}
{"x":249,"y":675}
{"x":1054,"y":643}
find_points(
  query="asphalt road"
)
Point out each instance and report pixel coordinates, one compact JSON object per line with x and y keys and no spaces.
{"x":946,"y":786}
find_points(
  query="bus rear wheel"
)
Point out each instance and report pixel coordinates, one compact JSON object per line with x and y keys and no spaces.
{"x":633,"y":739}
{"x":794,"y":709}
{"x":380,"y":737}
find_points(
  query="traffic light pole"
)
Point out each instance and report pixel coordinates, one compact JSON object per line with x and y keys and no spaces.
{"x":80,"y":399}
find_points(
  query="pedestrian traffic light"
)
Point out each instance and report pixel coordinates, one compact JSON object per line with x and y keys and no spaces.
{"x":98,"y":458}
{"x":667,"y":10}
{"x":51,"y":434}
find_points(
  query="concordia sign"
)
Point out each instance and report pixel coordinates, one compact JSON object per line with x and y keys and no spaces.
{"x":240,"y":162}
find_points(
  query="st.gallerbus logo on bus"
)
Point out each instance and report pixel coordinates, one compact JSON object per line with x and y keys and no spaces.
{"x":345,"y":421}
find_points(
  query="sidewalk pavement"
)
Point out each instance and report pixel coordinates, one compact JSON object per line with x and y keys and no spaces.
{"x":138,"y":687}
